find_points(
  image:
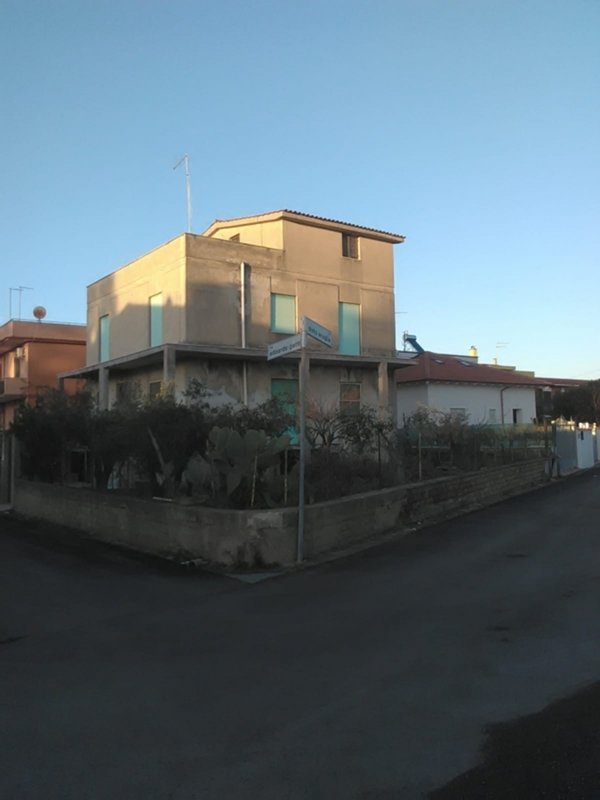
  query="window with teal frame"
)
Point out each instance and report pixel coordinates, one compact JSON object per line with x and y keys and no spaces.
{"x":104,"y":338}
{"x":283,"y":313}
{"x":156,"y":320}
{"x":349,"y":329}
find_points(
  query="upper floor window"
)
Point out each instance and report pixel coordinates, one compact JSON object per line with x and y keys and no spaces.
{"x":104,"y":338}
{"x":349,"y":329}
{"x":156,"y":320}
{"x":283,"y":313}
{"x":349,"y":245}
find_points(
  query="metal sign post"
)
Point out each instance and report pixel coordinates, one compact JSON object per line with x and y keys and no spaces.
{"x":282,"y":348}
{"x":302,"y":380}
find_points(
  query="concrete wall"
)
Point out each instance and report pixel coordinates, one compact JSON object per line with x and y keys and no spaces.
{"x":576,"y":448}
{"x":223,"y":379}
{"x":166,"y":529}
{"x":254,"y":538}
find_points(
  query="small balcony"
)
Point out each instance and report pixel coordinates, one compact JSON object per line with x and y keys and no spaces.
{"x":12,"y":389}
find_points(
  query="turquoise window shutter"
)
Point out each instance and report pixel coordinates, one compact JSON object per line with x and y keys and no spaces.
{"x":104,"y":337}
{"x":283,"y":313}
{"x":156,"y":320}
{"x":349,"y":329}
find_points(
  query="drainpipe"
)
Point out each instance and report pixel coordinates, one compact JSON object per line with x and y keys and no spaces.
{"x":243,"y":329}
{"x":502,"y":390}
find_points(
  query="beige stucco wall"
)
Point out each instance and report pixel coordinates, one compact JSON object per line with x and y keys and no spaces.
{"x":213,"y":291}
{"x":124,"y":296}
{"x":265,"y":234}
{"x":315,"y":271}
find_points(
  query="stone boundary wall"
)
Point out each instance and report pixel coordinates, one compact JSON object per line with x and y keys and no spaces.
{"x":268,"y":536}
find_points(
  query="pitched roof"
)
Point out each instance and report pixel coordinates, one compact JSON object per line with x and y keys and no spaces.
{"x":310,"y":219}
{"x":446,"y":368}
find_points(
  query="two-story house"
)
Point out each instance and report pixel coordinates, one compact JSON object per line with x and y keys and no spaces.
{"x":32,"y":354}
{"x":207,"y":307}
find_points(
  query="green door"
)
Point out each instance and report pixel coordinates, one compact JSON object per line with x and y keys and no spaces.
{"x":286,"y":391}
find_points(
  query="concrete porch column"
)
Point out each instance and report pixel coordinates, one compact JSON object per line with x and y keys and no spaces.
{"x":103,"y":388}
{"x":383,"y":389}
{"x":169,"y":364}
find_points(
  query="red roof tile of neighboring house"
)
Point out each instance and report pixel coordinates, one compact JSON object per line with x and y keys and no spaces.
{"x":461,"y":369}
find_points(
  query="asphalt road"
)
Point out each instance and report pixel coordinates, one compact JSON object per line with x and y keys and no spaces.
{"x":372,"y":678}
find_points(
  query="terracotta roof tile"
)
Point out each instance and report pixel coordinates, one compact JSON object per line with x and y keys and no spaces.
{"x":460,"y":369}
{"x":312,"y":216}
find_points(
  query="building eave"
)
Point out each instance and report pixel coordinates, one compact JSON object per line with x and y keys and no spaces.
{"x":306,"y":219}
{"x":153,"y":357}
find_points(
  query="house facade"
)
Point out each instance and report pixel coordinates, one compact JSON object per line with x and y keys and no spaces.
{"x":32,"y":355}
{"x":485,"y":393}
{"x":206,"y":307}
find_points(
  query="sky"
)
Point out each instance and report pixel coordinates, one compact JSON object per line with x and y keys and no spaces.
{"x":472,"y":127}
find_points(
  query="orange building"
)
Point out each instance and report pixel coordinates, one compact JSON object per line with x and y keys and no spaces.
{"x":32,"y":354}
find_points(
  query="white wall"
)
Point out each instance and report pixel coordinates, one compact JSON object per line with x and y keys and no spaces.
{"x":481,"y":403}
{"x":409,"y":398}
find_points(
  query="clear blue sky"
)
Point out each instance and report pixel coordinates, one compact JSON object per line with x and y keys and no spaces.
{"x":470,"y":126}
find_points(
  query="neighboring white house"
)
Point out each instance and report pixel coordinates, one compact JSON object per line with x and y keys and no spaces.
{"x":485,"y":393}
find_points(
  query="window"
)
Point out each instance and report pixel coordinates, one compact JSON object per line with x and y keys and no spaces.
{"x":350,"y":398}
{"x":283,"y":313}
{"x":349,"y":329}
{"x":517,"y":416}
{"x":492,"y":418}
{"x":104,"y":338}
{"x":156,"y":320}
{"x":349,"y":245}
{"x":234,"y":238}
{"x":154,"y":388}
{"x":125,"y":392}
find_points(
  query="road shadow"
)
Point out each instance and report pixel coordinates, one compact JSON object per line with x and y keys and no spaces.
{"x":554,"y":754}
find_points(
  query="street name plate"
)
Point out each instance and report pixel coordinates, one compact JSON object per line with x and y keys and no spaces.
{"x":284,"y":346}
{"x":318,"y":332}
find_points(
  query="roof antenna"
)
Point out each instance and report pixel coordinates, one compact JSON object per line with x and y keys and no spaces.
{"x":185,"y":159}
{"x":19,"y":290}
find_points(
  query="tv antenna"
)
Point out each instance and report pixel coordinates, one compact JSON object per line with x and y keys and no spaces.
{"x":20,"y":290}
{"x":185,"y":160}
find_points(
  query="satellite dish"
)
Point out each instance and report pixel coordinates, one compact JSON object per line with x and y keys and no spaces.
{"x":39,"y":312}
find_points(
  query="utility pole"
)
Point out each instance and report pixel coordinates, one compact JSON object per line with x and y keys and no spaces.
{"x":185,"y":160}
